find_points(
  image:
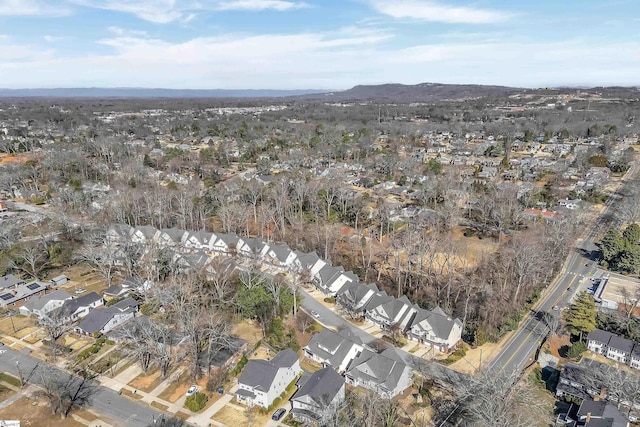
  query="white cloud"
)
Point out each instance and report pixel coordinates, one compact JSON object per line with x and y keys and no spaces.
{"x":331,"y":60}
{"x":426,"y":10}
{"x":166,"y":11}
{"x":52,"y":39}
{"x":158,"y":11}
{"x":256,"y":5}
{"x":31,"y":8}
{"x":118,"y":31}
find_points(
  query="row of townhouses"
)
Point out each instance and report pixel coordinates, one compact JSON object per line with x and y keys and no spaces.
{"x":193,"y":250}
{"x":614,"y":347}
{"x":385,"y":373}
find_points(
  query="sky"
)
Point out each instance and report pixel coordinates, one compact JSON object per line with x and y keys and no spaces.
{"x":317,"y":44}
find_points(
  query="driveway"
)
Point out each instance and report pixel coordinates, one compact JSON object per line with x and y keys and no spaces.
{"x":272,"y":423}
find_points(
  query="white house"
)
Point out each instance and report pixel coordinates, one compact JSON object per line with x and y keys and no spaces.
{"x":318,"y":396}
{"x":40,"y":306}
{"x":333,"y":349}
{"x":386,"y":373}
{"x":397,"y":312}
{"x":264,"y":380}
{"x":435,"y":328}
{"x":104,"y":320}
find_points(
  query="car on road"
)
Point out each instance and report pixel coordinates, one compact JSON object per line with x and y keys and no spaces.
{"x":192,"y":390}
{"x":278,"y":414}
{"x":569,"y":288}
{"x":556,"y":308}
{"x":315,"y":314}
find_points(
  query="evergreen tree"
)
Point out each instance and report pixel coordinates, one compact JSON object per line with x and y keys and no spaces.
{"x":581,"y":315}
{"x":629,"y":258}
{"x":632,"y":234}
{"x":611,"y":245}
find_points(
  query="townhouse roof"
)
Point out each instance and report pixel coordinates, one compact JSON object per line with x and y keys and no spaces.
{"x":384,"y":369}
{"x":321,"y":387}
{"x":621,"y":344}
{"x":600,"y":336}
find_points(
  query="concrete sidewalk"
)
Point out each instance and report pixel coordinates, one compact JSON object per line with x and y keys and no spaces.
{"x":204,"y":419}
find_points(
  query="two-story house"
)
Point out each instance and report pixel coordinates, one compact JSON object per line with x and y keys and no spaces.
{"x":264,"y":380}
{"x":77,"y":308}
{"x":334,"y":349}
{"x":385,"y":373}
{"x":598,"y":341}
{"x":354,"y":297}
{"x":318,"y":397}
{"x":434,"y":327}
{"x":619,"y":349}
{"x":397,"y":312}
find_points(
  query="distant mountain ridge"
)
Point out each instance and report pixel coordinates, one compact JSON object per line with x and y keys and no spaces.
{"x":152,"y":93}
{"x":390,"y":93}
{"x":423,"y":92}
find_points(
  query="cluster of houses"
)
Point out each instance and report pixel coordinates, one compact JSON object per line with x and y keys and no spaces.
{"x":318,"y":393}
{"x":14,"y":291}
{"x":614,"y":347}
{"x":595,"y":410}
{"x":89,"y":310}
{"x":193,"y":251}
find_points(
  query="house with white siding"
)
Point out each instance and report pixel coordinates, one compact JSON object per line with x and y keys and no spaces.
{"x":262,"y":381}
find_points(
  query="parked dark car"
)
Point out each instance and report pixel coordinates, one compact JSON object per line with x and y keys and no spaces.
{"x":278,"y":414}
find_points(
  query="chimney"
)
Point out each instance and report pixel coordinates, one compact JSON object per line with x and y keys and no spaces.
{"x":588,"y":420}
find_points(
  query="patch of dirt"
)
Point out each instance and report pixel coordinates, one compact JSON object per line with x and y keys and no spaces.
{"x":248,"y":331}
{"x":476,"y":357}
{"x":233,"y":417}
{"x":146,"y":383}
{"x":19,"y":322}
{"x":555,"y":343}
{"x":39,"y":415}
{"x":261,"y":353}
{"x":176,"y":389}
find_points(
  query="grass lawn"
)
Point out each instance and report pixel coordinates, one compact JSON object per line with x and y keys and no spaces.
{"x":40,"y":415}
{"x":159,"y":406}
{"x":183,"y":415}
{"x":308,"y":365}
{"x":233,"y":417}
{"x":20,"y":322}
{"x":108,"y":361}
{"x":176,"y":389}
{"x":14,"y":381}
{"x":148,"y":382}
{"x":35,"y":337}
{"x":414,"y":349}
{"x":5,"y":393}
{"x":130,"y":394}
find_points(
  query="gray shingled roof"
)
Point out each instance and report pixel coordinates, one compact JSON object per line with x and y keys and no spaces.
{"x":174,"y":234}
{"x":9,"y":280}
{"x":322,"y":387}
{"x":599,"y":336}
{"x":282,"y":252}
{"x":74,"y":304}
{"x":384,"y":369}
{"x":260,"y":374}
{"x":97,"y":318}
{"x":440,"y":324}
{"x":621,"y":344}
{"x":39,"y":302}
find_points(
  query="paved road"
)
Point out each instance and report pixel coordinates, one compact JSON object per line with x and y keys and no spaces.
{"x":122,"y":411}
{"x":332,"y":320}
{"x":580,"y":265}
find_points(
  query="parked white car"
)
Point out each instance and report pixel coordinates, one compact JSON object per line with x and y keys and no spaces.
{"x":192,"y":390}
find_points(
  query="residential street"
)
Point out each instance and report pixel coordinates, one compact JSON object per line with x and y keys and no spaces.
{"x":121,"y":410}
{"x":578,"y":268}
